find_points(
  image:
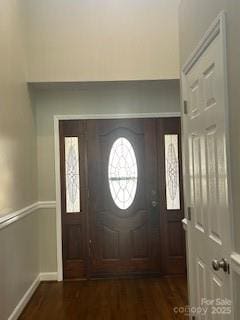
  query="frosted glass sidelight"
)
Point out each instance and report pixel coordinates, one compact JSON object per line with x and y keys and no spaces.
{"x":122,"y":173}
{"x":72,"y":175}
{"x":172,"y":172}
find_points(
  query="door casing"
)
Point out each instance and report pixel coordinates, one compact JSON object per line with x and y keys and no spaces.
{"x":56,"y":120}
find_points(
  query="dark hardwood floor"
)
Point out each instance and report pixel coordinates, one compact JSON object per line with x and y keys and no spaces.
{"x":125,"y":299}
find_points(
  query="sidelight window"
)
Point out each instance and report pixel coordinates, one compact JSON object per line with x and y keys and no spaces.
{"x":122,"y":173}
{"x":72,"y":175}
{"x":172,"y":172}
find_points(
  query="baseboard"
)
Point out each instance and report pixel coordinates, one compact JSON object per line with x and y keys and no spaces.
{"x":48,"y":276}
{"x":45,"y":276}
{"x":25,"y":299}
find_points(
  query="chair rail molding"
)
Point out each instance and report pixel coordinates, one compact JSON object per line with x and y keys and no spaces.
{"x":15,"y":216}
{"x":47,"y":204}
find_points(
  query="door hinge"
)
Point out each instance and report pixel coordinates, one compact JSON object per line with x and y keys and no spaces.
{"x":185,"y":106}
{"x":189,"y":213}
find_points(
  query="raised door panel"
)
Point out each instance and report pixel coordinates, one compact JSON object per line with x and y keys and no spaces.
{"x":175,"y":239}
{"x":75,"y":242}
{"x":198,"y":182}
{"x":195,"y":95}
{"x":110,"y":244}
{"x":202,"y":281}
{"x":213,"y":186}
{"x":139,"y":242}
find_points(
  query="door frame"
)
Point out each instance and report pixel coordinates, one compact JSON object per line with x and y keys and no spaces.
{"x":217,"y":28}
{"x":56,"y":119}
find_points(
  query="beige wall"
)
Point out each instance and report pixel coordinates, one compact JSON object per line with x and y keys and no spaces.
{"x":195,"y":17}
{"x":18,"y":187}
{"x":17,"y":127}
{"x":102,"y":40}
{"x":88,"y":98}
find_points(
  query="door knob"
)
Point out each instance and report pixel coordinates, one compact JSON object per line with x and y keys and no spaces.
{"x":220,"y":264}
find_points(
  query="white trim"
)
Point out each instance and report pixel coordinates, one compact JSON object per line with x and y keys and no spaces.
{"x":48,"y":276}
{"x":57,"y":118}
{"x":45,"y":276}
{"x":118,"y":116}
{"x":185,"y":224}
{"x":217,"y":26}
{"x":24,"y":300}
{"x":235,"y":262}
{"x":19,"y":214}
{"x":58,"y":199}
{"x":46,"y":204}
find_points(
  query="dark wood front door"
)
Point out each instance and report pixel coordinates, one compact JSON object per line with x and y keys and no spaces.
{"x":122,"y":224}
{"x":127,"y":240}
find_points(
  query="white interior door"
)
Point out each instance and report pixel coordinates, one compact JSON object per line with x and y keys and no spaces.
{"x":209,"y":234}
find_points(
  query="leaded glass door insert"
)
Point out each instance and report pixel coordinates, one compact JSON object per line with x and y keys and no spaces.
{"x":72,"y":175}
{"x":172,"y":171}
{"x":122,"y":173}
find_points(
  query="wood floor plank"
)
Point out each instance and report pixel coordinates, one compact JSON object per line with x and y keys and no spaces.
{"x":123,"y":299}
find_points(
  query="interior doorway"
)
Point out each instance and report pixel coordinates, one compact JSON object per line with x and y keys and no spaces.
{"x":121,"y":197}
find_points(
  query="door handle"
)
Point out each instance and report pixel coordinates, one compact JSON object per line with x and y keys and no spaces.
{"x":154,"y":198}
{"x":154,"y":203}
{"x":220,"y":264}
{"x":90,"y":246}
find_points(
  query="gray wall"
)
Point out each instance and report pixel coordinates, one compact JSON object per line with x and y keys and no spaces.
{"x":47,"y":240}
{"x":19,"y":264}
{"x":86,"y":98}
{"x":92,"y":98}
{"x":194,"y":18}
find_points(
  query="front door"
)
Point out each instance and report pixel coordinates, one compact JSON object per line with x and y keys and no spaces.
{"x":122,"y":215}
{"x":124,"y":224}
{"x":209,"y":229}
